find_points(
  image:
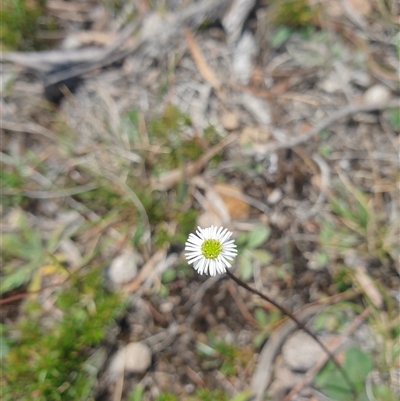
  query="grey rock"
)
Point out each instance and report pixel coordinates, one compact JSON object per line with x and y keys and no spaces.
{"x":123,"y":268}
{"x":377,"y":94}
{"x":275,"y":196}
{"x":301,"y":352}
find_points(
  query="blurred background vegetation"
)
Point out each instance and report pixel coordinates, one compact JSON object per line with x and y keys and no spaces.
{"x":62,"y":318}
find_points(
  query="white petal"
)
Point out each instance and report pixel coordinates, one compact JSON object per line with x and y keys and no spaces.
{"x":195,"y":259}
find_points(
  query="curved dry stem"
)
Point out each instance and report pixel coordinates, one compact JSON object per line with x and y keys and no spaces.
{"x":300,"y":325}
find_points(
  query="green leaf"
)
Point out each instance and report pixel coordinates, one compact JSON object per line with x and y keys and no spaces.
{"x":242,"y":239}
{"x":262,"y":256}
{"x":357,"y":365}
{"x":322,"y":258}
{"x":259,"y":339}
{"x":16,"y":278}
{"x":205,"y":349}
{"x":394,"y":118}
{"x":246,"y":265}
{"x":261,"y":317}
{"x":4,"y":348}
{"x":136,"y":394}
{"x":319,"y":322}
{"x":280,"y":36}
{"x":332,"y":384}
{"x":258,"y":236}
{"x":242,"y":396}
{"x":168,"y":276}
{"x":325,"y":150}
{"x":384,"y":393}
{"x":27,"y":245}
{"x":166,"y":396}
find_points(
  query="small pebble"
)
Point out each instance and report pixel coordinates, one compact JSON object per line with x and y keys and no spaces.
{"x":230,"y":121}
{"x":377,"y":94}
{"x":301,"y":352}
{"x":137,"y":357}
{"x":123,"y":269}
{"x":275,"y":196}
{"x":166,"y":307}
{"x":189,"y":388}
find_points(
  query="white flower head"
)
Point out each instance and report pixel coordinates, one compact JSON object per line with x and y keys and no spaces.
{"x":210,"y":250}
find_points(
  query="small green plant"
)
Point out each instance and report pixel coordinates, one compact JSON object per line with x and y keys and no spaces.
{"x":280,"y":36}
{"x":266,"y":322}
{"x":103,"y":198}
{"x":172,"y":149}
{"x":223,"y":355}
{"x":137,"y":394}
{"x":57,"y":361}
{"x":167,"y":131}
{"x":167,"y":145}
{"x":248,"y":253}
{"x":11,"y":180}
{"x":394,"y":118}
{"x":23,"y":254}
{"x":383,"y":392}
{"x":20,"y":21}
{"x":294,"y":13}
{"x":356,"y":224}
{"x":209,"y":395}
{"x":167,"y":396}
{"x":386,"y":327}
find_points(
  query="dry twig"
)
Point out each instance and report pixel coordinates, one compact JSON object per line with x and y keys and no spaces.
{"x":344,"y":112}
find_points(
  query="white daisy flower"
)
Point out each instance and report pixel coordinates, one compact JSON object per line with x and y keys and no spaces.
{"x":210,"y":251}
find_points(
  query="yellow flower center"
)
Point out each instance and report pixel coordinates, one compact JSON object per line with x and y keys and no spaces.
{"x":211,"y":248}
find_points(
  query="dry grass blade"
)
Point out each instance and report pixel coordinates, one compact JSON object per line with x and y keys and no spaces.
{"x":206,"y":72}
{"x":45,"y":61}
{"x":138,"y":204}
{"x":59,"y":193}
{"x":29,"y":128}
{"x":145,"y":271}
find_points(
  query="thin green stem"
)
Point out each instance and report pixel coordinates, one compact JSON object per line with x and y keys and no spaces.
{"x":300,"y":325}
